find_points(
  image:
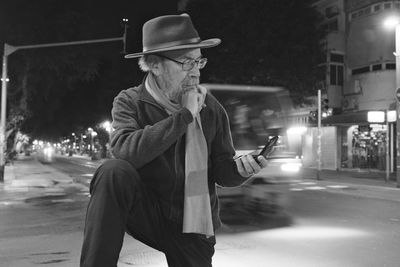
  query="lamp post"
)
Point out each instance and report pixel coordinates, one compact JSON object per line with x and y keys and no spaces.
{"x":107,"y":126}
{"x":390,"y":23}
{"x":90,"y":130}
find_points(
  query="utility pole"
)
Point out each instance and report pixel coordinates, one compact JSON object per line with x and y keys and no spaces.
{"x":319,"y":136}
{"x":8,"y":50}
{"x":397,"y":54}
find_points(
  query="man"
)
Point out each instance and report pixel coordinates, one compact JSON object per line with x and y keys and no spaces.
{"x":172,"y":144}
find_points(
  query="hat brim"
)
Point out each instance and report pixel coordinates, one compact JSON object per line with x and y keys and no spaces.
{"x":203,"y":44}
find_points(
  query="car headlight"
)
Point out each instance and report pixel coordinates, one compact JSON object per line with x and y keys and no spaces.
{"x":291,"y":167}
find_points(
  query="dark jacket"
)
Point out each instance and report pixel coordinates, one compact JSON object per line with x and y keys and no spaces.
{"x":153,"y":142}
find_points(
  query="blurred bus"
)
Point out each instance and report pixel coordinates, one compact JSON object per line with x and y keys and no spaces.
{"x":257,"y":113}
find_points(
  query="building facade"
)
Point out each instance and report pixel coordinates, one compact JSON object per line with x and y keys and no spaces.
{"x":360,"y":83}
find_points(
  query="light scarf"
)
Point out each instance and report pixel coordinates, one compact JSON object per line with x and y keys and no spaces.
{"x":197,"y":208}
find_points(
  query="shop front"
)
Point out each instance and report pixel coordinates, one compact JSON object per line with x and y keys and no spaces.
{"x":363,"y":144}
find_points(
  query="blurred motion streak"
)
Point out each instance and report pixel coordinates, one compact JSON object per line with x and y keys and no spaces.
{"x":311,"y":233}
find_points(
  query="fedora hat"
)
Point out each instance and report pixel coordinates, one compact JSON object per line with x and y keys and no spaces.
{"x":172,"y":32}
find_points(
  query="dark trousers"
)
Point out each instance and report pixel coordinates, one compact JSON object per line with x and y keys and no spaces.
{"x":121,"y":203}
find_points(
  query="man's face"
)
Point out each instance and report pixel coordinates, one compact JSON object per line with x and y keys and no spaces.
{"x":173,"y":79}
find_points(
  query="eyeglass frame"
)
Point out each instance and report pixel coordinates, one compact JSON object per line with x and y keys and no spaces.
{"x":197,"y":62}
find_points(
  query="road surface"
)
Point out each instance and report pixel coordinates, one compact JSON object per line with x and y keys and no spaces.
{"x":321,"y":227}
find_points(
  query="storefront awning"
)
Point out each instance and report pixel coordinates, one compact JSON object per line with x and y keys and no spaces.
{"x":358,"y":117}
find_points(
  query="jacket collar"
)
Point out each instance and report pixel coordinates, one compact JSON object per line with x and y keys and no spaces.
{"x":144,"y":95}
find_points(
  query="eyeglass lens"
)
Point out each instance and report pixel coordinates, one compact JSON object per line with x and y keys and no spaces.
{"x":190,"y":64}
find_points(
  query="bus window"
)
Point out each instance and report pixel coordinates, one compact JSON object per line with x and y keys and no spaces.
{"x":255,"y":113}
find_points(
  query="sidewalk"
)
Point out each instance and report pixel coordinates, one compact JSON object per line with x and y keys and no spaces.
{"x":358,"y":183}
{"x":27,"y":177}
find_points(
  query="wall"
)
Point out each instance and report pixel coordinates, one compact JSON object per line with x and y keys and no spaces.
{"x":328,"y":148}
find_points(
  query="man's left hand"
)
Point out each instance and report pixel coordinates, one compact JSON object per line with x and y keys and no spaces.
{"x":247,"y":166}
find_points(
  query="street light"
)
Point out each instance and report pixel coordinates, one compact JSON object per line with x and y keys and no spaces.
{"x":90,"y":130}
{"x":107,"y":126}
{"x":394,"y":22}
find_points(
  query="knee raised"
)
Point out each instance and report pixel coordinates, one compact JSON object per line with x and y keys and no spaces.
{"x":116,"y":171}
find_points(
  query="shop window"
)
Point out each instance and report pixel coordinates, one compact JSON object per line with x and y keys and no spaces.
{"x":377,"y":8}
{"x":368,"y":146}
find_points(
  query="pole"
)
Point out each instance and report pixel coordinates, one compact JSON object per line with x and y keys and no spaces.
{"x":397,"y":43}
{"x":387,"y":148}
{"x":319,"y":137}
{"x":70,"y":43}
{"x":3,"y":141}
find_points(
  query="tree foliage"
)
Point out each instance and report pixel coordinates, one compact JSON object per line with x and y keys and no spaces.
{"x":273,"y":42}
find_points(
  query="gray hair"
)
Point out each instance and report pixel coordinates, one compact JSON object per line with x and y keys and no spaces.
{"x":146,"y":61}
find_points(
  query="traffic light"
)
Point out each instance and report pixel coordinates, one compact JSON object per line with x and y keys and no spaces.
{"x":313,"y":115}
{"x":326,"y":111}
{"x":124,"y":24}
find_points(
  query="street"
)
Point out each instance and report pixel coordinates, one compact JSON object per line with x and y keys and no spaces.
{"x":322,"y":226}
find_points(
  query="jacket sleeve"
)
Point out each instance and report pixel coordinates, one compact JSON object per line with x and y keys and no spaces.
{"x":224,"y":168}
{"x":141,"y":144}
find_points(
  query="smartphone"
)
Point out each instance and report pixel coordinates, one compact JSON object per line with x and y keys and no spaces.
{"x":267,"y":149}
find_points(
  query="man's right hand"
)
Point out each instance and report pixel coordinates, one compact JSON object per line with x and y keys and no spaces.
{"x":193,"y":99}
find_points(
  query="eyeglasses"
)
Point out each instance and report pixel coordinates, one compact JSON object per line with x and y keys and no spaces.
{"x":188,"y":64}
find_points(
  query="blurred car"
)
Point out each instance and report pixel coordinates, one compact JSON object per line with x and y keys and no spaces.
{"x":46,"y":154}
{"x":268,"y":190}
{"x":257,"y":114}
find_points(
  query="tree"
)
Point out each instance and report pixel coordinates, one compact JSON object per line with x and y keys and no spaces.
{"x":263,"y":42}
{"x":56,"y":90}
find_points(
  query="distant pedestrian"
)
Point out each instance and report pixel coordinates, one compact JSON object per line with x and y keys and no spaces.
{"x":172,"y":145}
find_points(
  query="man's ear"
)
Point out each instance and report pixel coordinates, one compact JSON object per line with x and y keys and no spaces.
{"x":155,"y":65}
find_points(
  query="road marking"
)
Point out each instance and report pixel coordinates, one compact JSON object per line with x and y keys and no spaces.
{"x":296,"y":189}
{"x":337,"y":186}
{"x":315,"y":188}
{"x":87,"y":175}
{"x":307,"y":183}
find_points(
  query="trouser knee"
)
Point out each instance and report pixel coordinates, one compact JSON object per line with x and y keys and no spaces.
{"x":115,"y":174}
